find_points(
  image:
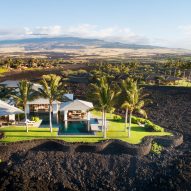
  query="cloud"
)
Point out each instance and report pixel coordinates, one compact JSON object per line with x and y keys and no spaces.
{"x":84,"y":30}
{"x":44,"y":30}
{"x":114,"y":33}
{"x":110,"y":33}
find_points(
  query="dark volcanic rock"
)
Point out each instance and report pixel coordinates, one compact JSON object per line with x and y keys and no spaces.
{"x":54,"y":166}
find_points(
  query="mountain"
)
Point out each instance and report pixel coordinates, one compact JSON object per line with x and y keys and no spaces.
{"x":83,"y":49}
{"x":73,"y":42}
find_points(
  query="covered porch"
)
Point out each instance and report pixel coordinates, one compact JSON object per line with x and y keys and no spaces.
{"x":76,"y":110}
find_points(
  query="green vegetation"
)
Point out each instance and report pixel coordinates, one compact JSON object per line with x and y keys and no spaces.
{"x":3,"y":70}
{"x":104,"y":94}
{"x":117,"y":118}
{"x":156,"y":148}
{"x":35,"y":118}
{"x":115,"y":131}
{"x":148,"y":124}
{"x":173,"y":72}
{"x":25,"y":93}
{"x":51,"y":90}
{"x":133,"y":100}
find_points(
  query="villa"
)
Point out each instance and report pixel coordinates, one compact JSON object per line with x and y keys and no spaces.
{"x":67,"y":113}
{"x":70,"y":114}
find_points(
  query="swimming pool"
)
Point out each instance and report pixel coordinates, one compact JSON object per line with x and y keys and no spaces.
{"x":77,"y":127}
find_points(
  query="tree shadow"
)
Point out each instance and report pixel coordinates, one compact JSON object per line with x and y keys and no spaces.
{"x":140,"y":129}
{"x":11,"y":130}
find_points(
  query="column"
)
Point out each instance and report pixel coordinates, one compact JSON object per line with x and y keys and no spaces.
{"x":88,"y":122}
{"x":66,"y":119}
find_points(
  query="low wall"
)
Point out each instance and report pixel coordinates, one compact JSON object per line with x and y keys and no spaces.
{"x":103,"y":147}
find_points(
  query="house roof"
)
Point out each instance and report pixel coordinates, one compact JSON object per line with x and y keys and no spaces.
{"x":14,"y":84}
{"x":41,"y":101}
{"x":68,"y":97}
{"x":153,"y":76}
{"x":76,"y":105}
{"x":10,"y":83}
{"x":172,"y":78}
{"x":6,"y":109}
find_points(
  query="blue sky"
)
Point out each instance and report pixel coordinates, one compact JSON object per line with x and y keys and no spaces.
{"x":157,"y":22}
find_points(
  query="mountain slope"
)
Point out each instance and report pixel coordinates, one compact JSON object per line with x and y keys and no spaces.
{"x":68,"y":41}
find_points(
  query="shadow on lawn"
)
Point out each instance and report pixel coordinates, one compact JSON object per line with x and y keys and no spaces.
{"x":33,"y":136}
{"x":140,"y":129}
{"x":24,"y":130}
{"x":11,"y":130}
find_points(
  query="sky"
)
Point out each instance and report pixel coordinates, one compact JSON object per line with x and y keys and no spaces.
{"x":154,"y":22}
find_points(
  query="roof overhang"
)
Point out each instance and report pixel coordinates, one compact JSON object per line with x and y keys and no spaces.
{"x":76,"y":105}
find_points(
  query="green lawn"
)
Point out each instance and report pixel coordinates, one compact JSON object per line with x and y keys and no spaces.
{"x":115,"y":131}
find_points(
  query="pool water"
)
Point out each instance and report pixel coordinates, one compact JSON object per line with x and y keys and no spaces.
{"x":75,"y":127}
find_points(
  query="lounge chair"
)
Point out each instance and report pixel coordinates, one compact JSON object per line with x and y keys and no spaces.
{"x":95,"y":127}
{"x":30,"y":122}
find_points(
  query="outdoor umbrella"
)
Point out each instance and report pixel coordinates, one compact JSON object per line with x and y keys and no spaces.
{"x":6,"y":109}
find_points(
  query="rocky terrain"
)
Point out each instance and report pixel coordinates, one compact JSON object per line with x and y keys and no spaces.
{"x":49,"y":166}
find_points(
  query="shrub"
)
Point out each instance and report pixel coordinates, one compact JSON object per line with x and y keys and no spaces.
{"x":148,"y":124}
{"x":137,"y":120}
{"x":36,"y":119}
{"x":156,"y":148}
{"x":117,"y":118}
{"x":153,"y":127}
{"x":157,"y":128}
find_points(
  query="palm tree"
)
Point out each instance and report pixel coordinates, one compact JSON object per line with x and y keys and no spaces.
{"x":25,"y":93}
{"x":125,"y":85}
{"x":5,"y":92}
{"x":51,"y":89}
{"x":134,"y":102}
{"x":105,"y":95}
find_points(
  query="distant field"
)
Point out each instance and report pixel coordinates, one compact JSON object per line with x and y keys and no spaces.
{"x":33,"y":74}
{"x":94,"y":52}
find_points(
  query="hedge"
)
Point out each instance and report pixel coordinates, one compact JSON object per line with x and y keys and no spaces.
{"x":148,"y":124}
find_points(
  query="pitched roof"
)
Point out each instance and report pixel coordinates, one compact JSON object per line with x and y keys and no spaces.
{"x":14,"y":84}
{"x":76,"y":105}
{"x":10,"y":83}
{"x":172,"y":78}
{"x":6,"y":109}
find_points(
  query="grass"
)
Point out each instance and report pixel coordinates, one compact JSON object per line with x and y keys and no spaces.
{"x":3,"y":70}
{"x":184,"y":83}
{"x":115,"y":131}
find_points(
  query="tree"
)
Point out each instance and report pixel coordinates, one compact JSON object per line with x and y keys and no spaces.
{"x":51,"y":89}
{"x":105,"y":95}
{"x":5,"y":92}
{"x":134,"y":101}
{"x":9,"y":63}
{"x":25,"y":93}
{"x":125,"y":85}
